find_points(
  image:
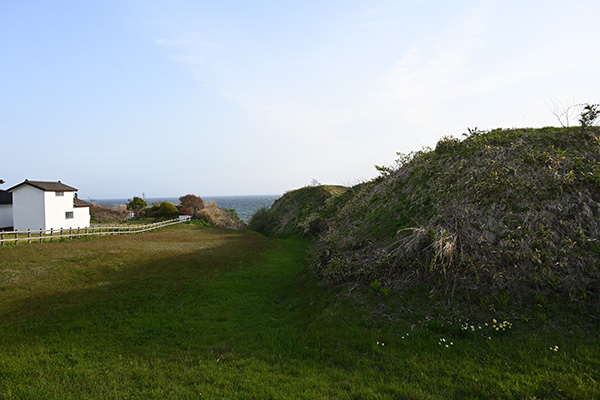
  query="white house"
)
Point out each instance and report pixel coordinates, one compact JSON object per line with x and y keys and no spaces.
{"x":47,"y":205}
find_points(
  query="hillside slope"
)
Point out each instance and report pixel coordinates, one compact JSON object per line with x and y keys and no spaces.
{"x":512,"y":212}
{"x":304,"y":211}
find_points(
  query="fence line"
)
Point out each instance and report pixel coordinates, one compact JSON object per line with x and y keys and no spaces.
{"x":28,"y":236}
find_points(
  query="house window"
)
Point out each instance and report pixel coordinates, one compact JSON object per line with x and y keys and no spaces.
{"x":69,"y":215}
{"x":59,"y":194}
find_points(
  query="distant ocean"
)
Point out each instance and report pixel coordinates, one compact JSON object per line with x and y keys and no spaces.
{"x":245,"y":206}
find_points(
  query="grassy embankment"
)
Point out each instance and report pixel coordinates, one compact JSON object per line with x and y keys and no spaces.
{"x":506,"y":220}
{"x":189,"y":312}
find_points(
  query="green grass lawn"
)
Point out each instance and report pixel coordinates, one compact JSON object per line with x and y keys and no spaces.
{"x":194,"y":312}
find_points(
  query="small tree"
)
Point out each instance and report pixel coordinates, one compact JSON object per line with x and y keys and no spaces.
{"x":136,"y":205}
{"x":589,"y":115}
{"x":192,"y":201}
{"x":563,"y":111}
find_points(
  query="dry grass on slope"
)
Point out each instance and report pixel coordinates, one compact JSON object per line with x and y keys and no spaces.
{"x":218,"y":217}
{"x":505,"y":213}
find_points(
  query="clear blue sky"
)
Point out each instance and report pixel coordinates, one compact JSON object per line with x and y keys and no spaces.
{"x":120,"y":97}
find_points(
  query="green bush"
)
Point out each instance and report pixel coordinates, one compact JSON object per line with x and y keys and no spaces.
{"x":136,"y":205}
{"x":167,"y":209}
{"x":261,"y":221}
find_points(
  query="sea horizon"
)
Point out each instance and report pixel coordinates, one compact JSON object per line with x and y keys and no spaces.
{"x":244,"y":205}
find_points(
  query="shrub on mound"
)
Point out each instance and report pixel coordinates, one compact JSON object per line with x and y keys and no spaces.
{"x":167,"y":209}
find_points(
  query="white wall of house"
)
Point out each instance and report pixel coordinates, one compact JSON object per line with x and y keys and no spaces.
{"x":82,"y":217}
{"x":6,"y":215}
{"x":28,"y":208}
{"x":60,"y":212}
{"x":56,"y":209}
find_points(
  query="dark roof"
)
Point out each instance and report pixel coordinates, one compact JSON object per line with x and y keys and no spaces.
{"x":80,"y":203}
{"x":5,"y":197}
{"x":46,"y":186}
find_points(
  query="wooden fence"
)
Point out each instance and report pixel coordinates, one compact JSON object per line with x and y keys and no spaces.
{"x":29,"y":236}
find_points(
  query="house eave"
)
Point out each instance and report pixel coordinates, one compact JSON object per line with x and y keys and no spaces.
{"x":45,"y":186}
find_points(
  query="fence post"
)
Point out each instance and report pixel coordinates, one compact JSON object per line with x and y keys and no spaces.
{"x":109,"y":231}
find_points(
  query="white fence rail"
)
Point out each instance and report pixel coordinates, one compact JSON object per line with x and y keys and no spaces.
{"x":29,"y":236}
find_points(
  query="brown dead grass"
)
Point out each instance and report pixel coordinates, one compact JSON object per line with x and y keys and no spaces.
{"x":105,"y":214}
{"x":218,"y":217}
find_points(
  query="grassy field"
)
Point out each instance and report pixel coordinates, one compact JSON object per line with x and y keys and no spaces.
{"x":192,"y":312}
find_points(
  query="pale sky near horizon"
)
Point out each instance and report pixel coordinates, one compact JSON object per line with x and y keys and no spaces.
{"x":123,"y":97}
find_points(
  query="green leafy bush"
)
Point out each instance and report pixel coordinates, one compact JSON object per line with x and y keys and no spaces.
{"x":167,"y":209}
{"x":136,"y":205}
{"x":262,"y":220}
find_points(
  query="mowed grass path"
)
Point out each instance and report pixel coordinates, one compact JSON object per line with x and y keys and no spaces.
{"x":190,"y":312}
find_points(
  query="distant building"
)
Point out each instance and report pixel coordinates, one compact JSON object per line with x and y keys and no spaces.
{"x":43,"y":205}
